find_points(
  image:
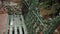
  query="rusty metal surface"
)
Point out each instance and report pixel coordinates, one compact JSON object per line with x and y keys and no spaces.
{"x":3,"y":20}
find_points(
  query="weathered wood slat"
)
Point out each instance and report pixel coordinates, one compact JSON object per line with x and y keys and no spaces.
{"x":15,"y":25}
{"x":11,"y":25}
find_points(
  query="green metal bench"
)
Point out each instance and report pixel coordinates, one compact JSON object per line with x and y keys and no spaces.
{"x":15,"y":22}
{"x":33,"y":22}
{"x":15,"y":25}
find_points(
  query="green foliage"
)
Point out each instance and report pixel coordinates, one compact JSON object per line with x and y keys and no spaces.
{"x":45,"y":4}
{"x":54,"y":8}
{"x":49,"y":4}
